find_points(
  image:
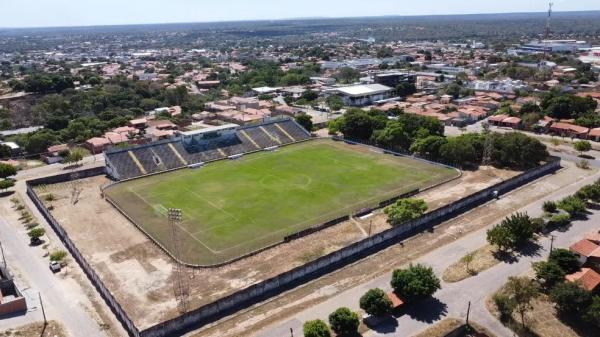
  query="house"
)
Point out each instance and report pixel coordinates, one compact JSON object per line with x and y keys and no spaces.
{"x":497,"y":119}
{"x":588,"y":278}
{"x":97,"y":144}
{"x":594,"y":134}
{"x":361,"y":95}
{"x":53,"y":154}
{"x":11,"y":299}
{"x":586,"y":251}
{"x":14,"y":148}
{"x":569,"y":130}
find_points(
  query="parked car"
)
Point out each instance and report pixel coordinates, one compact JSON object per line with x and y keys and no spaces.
{"x":55,"y":266}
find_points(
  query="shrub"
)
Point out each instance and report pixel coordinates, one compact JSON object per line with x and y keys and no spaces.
{"x":58,"y":255}
{"x":375,"y":302}
{"x":548,"y":273}
{"x":505,"y":305}
{"x":572,"y":205}
{"x":49,"y":197}
{"x":560,"y":220}
{"x":549,"y":206}
{"x":344,"y":322}
{"x":36,"y":232}
{"x":316,"y":328}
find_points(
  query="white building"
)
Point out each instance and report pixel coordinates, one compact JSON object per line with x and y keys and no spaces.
{"x":361,"y":95}
{"x":507,"y":86}
{"x":591,"y":56}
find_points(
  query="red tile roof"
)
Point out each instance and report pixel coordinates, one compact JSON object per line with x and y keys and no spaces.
{"x":586,"y":248}
{"x":588,"y":278}
{"x":397,"y":302}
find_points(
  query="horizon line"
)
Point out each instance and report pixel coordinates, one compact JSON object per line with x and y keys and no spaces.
{"x":311,"y":18}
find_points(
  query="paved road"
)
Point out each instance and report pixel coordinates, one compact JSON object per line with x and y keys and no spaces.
{"x":64,"y":300}
{"x":452,"y":299}
{"x":60,"y":302}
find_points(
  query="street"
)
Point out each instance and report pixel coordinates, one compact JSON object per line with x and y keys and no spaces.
{"x":452,"y":300}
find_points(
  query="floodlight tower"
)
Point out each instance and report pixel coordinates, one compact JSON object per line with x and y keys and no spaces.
{"x":181,"y":287}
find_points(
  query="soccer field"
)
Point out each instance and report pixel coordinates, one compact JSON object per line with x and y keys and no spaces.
{"x":231,"y":208}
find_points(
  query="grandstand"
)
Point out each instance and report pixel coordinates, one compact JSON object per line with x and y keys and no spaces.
{"x":192,"y":148}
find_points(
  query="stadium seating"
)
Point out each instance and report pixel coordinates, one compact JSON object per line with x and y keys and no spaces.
{"x":167,"y":155}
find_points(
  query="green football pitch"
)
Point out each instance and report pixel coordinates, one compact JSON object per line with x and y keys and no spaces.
{"x":233,"y":207}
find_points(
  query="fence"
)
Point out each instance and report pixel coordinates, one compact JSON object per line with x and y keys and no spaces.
{"x":62,"y":234}
{"x":278,"y":284}
{"x":287,"y":280}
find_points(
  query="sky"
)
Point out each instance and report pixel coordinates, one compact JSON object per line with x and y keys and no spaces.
{"x":49,"y":13}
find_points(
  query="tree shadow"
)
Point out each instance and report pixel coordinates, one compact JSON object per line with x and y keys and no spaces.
{"x":6,"y":193}
{"x":382,"y":325}
{"x":505,"y":256}
{"x":530,"y":249}
{"x":582,"y":329}
{"x":428,"y":311}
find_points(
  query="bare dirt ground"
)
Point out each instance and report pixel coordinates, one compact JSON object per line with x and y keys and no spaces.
{"x":53,"y":329}
{"x":140,"y":275}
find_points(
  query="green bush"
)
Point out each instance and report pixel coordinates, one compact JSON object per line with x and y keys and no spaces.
{"x":505,"y":305}
{"x":316,"y":328}
{"x":375,"y":302}
{"x":58,"y":255}
{"x":560,"y":220}
{"x":344,"y":322}
{"x":550,"y":207}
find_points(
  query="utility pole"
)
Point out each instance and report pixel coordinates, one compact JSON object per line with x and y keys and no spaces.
{"x":552,"y":243}
{"x":370,"y":227}
{"x":43,"y":311}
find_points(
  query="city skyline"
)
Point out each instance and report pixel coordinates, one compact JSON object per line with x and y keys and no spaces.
{"x":63,"y":13}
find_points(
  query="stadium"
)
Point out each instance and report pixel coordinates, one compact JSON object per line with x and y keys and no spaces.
{"x":244,"y":189}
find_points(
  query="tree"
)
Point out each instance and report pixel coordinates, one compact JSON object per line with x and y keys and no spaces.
{"x":7,"y":170}
{"x":36,"y":233}
{"x":415,"y":282}
{"x":522,"y":291}
{"x":375,"y":302}
{"x":512,"y":232}
{"x":592,"y":313}
{"x":565,"y":259}
{"x":356,"y":124}
{"x":589,"y":192}
{"x":572,"y":205}
{"x":505,"y":305}
{"x":582,"y":146}
{"x":335,"y":103}
{"x":305,"y":121}
{"x":570,"y":298}
{"x":344,"y":322}
{"x":6,"y":184}
{"x":548,"y":273}
{"x":316,"y":328}
{"x":5,"y":150}
{"x":405,"y":89}
{"x":428,"y":147}
{"x":467,"y":260}
{"x":404,"y":210}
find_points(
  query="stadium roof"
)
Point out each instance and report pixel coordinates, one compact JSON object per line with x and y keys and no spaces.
{"x":210,"y":129}
{"x":363,"y":90}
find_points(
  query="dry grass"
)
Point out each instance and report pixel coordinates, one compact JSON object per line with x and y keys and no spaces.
{"x":448,"y":325}
{"x":483,"y":258}
{"x":442,"y":328}
{"x":541,"y":321}
{"x":53,"y":329}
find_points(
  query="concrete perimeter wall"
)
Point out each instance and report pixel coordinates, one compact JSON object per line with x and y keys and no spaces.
{"x":288,"y":280}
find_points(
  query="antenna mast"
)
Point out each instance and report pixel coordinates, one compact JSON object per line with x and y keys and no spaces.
{"x":547,"y":33}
